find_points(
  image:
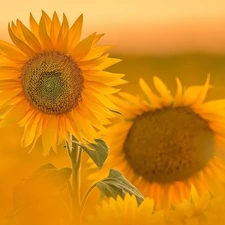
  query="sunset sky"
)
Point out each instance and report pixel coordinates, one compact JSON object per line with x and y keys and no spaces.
{"x":136,"y":26}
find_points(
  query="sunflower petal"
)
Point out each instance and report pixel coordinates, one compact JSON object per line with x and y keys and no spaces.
{"x":191,"y":94}
{"x":201,"y":97}
{"x":97,"y":52}
{"x":31,"y":39}
{"x":12,"y":51}
{"x":107,"y":63}
{"x":6,"y":96}
{"x":17,"y":30}
{"x":49,"y":133}
{"x":178,"y":99}
{"x":213,"y":106}
{"x":74,"y":33}
{"x":34,"y":26}
{"x":8,"y":73}
{"x":154,"y":99}
{"x":48,"y":22}
{"x":20,"y":44}
{"x":62,"y":33}
{"x":93,"y":63}
{"x":82,"y":49}
{"x":55,"y":27}
{"x":30,"y":130}
{"x":97,"y":38}
{"x":163,"y":91}
{"x":46,"y":41}
{"x":15,"y":114}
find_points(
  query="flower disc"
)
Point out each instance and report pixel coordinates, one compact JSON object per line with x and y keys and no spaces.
{"x":52,"y":82}
{"x":169,"y":144}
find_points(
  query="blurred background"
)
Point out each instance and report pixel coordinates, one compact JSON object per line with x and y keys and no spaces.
{"x":169,"y":39}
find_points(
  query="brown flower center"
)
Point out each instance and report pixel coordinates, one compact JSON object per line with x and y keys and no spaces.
{"x":169,"y":144}
{"x":52,"y":82}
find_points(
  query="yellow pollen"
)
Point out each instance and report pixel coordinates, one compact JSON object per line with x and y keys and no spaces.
{"x":52,"y":82}
{"x":169,"y":144}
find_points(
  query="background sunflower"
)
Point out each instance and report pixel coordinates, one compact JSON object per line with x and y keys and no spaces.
{"x":165,"y":144}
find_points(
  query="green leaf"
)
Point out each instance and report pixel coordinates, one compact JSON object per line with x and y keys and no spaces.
{"x":98,"y":152}
{"x":45,"y":182}
{"x":116,"y":184}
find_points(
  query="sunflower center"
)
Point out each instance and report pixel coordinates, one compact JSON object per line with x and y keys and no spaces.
{"x":169,"y":144}
{"x":52,"y":82}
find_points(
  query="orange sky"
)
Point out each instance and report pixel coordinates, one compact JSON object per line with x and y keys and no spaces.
{"x":136,"y":26}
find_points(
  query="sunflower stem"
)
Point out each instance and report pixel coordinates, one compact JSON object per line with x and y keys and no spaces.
{"x":75,"y":154}
{"x":84,"y":200}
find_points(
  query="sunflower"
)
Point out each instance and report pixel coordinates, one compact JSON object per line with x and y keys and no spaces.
{"x":52,"y":83}
{"x":126,"y":212}
{"x":217,"y":207}
{"x":192,"y":211}
{"x":165,"y":144}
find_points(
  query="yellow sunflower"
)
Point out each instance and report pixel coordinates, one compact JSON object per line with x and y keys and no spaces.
{"x":217,"y":207}
{"x":165,"y":144}
{"x":126,"y":212}
{"x":52,"y":83}
{"x":195,"y":211}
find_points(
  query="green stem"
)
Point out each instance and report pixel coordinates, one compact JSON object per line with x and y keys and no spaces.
{"x":84,"y":200}
{"x":75,"y":154}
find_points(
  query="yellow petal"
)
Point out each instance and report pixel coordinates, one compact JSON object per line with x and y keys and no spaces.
{"x":30,"y":130}
{"x":93,"y":63}
{"x":20,"y":44}
{"x":97,"y":38}
{"x":91,"y":116}
{"x":83,"y":126}
{"x":55,"y":27}
{"x":154,"y":99}
{"x":62,"y":33}
{"x":8,"y":73}
{"x":74,"y":33}
{"x":178,"y":100}
{"x":82,"y":49}
{"x":97,"y":52}
{"x":31,"y":39}
{"x":8,"y":95}
{"x":201,"y":97}
{"x":49,"y":133}
{"x":101,"y":88}
{"x":163,"y":91}
{"x":17,"y":30}
{"x":191,"y":94}
{"x":132,"y":99}
{"x":117,"y":82}
{"x":15,"y":114}
{"x":101,"y":76}
{"x":103,"y":99}
{"x":107,"y":63}
{"x":34,"y":26}
{"x":12,"y":52}
{"x":48,"y":22}
{"x":11,"y":84}
{"x":213,"y":106}
{"x":96,"y":104}
{"x":46,"y":42}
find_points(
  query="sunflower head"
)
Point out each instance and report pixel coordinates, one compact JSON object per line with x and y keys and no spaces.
{"x":126,"y":212}
{"x":166,"y":144}
{"x":52,"y":83}
{"x":194,"y":210}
